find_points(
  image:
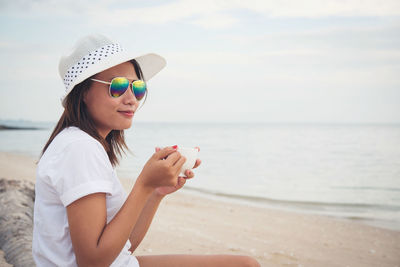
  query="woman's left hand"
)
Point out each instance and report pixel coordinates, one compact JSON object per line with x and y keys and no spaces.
{"x":165,"y":190}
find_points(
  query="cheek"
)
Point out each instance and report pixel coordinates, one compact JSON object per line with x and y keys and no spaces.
{"x":100,"y":107}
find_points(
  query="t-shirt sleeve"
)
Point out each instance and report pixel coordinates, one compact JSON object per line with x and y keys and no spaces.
{"x":81,"y":169}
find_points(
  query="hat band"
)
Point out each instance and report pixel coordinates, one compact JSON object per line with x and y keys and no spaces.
{"x":88,"y":60}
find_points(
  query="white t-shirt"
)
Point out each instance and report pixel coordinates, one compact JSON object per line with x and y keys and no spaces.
{"x":74,"y":165}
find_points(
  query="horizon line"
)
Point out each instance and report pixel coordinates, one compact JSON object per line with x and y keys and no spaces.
{"x":231,"y":122}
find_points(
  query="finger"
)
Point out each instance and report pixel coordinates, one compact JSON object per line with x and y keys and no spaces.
{"x":158,"y":149}
{"x":189,"y":174}
{"x":198,"y":162}
{"x":178,"y":165}
{"x":181,"y":182}
{"x":173,"y":158}
{"x":164,"y":152}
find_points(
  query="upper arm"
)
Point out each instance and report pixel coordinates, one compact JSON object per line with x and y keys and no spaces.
{"x":87,"y":218}
{"x":81,"y":169}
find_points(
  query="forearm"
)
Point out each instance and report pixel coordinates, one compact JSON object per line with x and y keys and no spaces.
{"x":117,"y":231}
{"x":145,"y":219}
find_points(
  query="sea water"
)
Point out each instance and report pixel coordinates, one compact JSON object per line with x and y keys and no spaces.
{"x":346,"y":171}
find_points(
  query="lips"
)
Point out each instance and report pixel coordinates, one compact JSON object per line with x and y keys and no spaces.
{"x":128,"y":113}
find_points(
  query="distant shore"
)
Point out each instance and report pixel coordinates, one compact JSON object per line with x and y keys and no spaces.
{"x":6,"y":127}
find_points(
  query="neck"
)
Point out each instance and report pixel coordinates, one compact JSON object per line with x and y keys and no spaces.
{"x":103,"y":133}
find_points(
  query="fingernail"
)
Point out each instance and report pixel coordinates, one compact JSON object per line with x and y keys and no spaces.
{"x":175,"y":147}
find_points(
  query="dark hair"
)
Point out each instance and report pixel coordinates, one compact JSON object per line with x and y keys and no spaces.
{"x":76,"y":114}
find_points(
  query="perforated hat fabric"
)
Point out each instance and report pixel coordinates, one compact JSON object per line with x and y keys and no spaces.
{"x":95,"y":53}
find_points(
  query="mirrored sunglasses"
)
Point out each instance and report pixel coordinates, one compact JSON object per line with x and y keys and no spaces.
{"x":119,"y":85}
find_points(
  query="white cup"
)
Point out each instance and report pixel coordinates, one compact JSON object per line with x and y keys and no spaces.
{"x":191,"y":155}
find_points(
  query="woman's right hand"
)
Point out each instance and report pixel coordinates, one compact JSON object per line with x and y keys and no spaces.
{"x":162,"y":169}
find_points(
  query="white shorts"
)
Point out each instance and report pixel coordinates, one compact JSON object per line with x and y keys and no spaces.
{"x":133,"y":262}
{"x":125,"y":258}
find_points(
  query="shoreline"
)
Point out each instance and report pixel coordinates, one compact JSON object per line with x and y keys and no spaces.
{"x":335,"y":211}
{"x":330,"y":210}
{"x":187,"y":223}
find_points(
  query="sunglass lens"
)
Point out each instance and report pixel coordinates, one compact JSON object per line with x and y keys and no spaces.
{"x":118,"y":86}
{"x":139,"y":89}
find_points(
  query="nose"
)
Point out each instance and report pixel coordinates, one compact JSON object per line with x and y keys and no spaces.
{"x":129,"y":97}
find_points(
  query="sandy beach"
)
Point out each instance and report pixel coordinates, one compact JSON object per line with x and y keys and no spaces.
{"x":190,"y":224}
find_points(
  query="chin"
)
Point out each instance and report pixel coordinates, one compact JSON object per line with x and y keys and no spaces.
{"x":125,"y":125}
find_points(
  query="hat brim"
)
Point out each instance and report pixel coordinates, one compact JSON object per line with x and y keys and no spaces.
{"x":150,"y":64}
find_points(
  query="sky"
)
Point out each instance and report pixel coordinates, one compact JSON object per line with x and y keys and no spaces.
{"x":300,"y":61}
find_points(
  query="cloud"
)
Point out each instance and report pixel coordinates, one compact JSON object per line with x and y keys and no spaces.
{"x":44,"y":8}
{"x":319,"y":9}
{"x":216,"y":21}
{"x":209,"y":14}
{"x":279,"y":63}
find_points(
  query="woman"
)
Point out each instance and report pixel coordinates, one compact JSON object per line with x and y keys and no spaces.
{"x":82,"y":215}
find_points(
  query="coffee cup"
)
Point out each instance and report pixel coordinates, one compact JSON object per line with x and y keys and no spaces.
{"x":191,"y":155}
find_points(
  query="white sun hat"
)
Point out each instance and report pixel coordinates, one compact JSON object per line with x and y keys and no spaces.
{"x":94,"y":53}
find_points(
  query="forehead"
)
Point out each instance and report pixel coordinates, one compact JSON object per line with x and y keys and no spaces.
{"x":125,"y":69}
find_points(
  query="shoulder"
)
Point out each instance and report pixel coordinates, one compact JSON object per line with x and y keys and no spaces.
{"x":72,"y":135}
{"x":76,"y":165}
{"x":73,"y":141}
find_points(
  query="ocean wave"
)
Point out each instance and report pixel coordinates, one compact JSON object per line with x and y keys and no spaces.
{"x":368,"y":188}
{"x":297,"y":203}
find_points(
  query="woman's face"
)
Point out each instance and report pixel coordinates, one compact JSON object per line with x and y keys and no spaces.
{"x":107,"y":112}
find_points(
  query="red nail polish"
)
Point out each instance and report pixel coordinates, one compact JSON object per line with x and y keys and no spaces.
{"x":175,"y":147}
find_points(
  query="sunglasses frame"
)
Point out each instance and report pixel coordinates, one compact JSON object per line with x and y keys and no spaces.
{"x":130,"y":85}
